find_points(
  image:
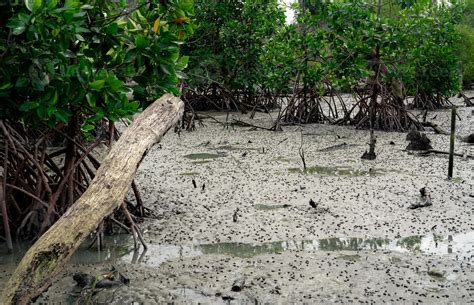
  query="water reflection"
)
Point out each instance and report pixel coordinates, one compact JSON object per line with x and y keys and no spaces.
{"x":461,"y":245}
{"x":121,"y":247}
{"x":201,"y":156}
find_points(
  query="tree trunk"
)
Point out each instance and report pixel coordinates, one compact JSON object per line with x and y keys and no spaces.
{"x":48,"y":256}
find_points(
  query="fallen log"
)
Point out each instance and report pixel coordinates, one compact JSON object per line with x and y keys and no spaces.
{"x":48,"y":256}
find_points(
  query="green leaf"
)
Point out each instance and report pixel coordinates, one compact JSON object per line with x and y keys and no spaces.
{"x":80,"y":37}
{"x":141,"y":42}
{"x":28,"y":106}
{"x":33,"y":5}
{"x":181,"y":75}
{"x":139,"y":91}
{"x":131,"y":55}
{"x":90,"y":100}
{"x":6,"y":86}
{"x":87,"y":127}
{"x":87,"y":7}
{"x":55,"y":98}
{"x":182,"y":63}
{"x":52,"y":3}
{"x":114,"y":83}
{"x":18,"y":26}
{"x":82,"y":30}
{"x":98,"y":84}
{"x":71,"y":4}
{"x":112,"y":29}
{"x":51,"y":111}
{"x":99,"y":115}
{"x":22,"y":82}
{"x":166,"y":68}
{"x":133,"y":106}
{"x":69,"y":54}
{"x":42,"y":112}
{"x":62,"y":115}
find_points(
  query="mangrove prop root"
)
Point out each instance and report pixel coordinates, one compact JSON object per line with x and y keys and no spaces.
{"x":40,"y":177}
{"x":48,"y":256}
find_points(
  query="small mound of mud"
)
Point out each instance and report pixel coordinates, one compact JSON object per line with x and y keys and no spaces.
{"x":369,"y":155}
{"x":418,"y":141}
{"x":469,"y":139}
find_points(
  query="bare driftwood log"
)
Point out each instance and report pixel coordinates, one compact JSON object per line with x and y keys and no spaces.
{"x":48,"y":256}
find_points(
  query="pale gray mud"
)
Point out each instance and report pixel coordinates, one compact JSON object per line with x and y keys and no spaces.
{"x":249,"y":218}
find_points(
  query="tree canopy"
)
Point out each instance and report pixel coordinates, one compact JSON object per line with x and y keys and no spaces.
{"x":65,"y":59}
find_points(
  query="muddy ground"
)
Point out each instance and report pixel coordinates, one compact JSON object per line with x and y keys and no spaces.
{"x":249,"y":220}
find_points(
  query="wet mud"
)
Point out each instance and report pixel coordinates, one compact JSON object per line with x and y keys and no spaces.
{"x":249,"y":218}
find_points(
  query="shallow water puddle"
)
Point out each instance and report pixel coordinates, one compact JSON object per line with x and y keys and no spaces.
{"x":330,"y":171}
{"x":340,"y":171}
{"x":190,"y":174}
{"x":201,"y":162}
{"x":457,"y":180}
{"x":202,"y":156}
{"x":282,"y":159}
{"x":461,"y":245}
{"x":120,"y":247}
{"x":265,"y":207}
{"x":235,"y":148}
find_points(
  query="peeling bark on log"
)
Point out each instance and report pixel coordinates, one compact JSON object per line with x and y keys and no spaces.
{"x":48,"y":256}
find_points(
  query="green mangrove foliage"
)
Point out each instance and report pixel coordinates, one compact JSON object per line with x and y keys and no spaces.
{"x":431,"y":64}
{"x":65,"y":59}
{"x":465,"y":29}
{"x":69,"y":68}
{"x":225,"y":51}
{"x":333,"y":47}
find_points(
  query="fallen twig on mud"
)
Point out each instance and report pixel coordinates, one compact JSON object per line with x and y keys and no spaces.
{"x":421,"y":205}
{"x":436,"y":128}
{"x":236,"y":122}
{"x":434,"y":151}
{"x":334,"y":147}
{"x":301,"y":151}
{"x":439,"y":130}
